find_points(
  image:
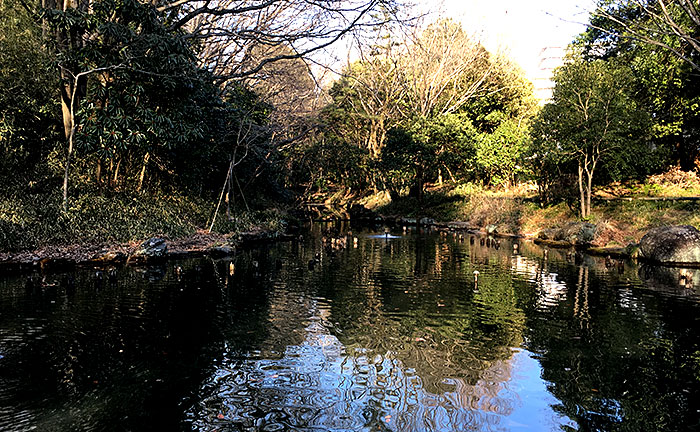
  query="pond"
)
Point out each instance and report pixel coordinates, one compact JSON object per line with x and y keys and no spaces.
{"x":416,"y":331}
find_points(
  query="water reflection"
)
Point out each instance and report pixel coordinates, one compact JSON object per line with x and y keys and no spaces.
{"x":418,"y":331}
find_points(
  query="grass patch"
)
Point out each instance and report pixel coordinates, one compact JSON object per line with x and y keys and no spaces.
{"x":619,"y":222}
{"x":467,"y":202}
{"x":32,"y":221}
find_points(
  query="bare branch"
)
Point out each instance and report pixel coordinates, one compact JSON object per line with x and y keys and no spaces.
{"x":658,"y":24}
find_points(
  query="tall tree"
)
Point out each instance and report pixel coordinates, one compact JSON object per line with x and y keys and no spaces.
{"x":429,"y":95}
{"x":667,"y":86}
{"x":592,"y":119}
{"x":445,"y":68}
{"x":103,"y":44}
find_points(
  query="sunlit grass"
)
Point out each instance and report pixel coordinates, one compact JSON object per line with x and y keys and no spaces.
{"x":516,"y":211}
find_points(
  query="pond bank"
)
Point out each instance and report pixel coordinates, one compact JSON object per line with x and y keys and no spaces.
{"x":615,"y":234}
{"x":669,"y":245}
{"x":61,"y":257}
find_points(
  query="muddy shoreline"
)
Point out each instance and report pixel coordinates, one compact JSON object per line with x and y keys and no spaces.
{"x":51,"y":259}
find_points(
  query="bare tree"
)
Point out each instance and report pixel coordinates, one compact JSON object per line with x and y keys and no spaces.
{"x":375,"y":100}
{"x":670,"y":24}
{"x":231,"y":32}
{"x":445,"y":68}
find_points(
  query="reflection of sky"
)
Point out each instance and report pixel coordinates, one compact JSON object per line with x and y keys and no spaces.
{"x":321,"y":385}
{"x":534,"y":412}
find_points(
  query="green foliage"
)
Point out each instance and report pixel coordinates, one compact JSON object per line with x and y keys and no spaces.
{"x":147,"y":115}
{"x":441,"y":108}
{"x":29,"y":221}
{"x":154,"y":100}
{"x":404,"y":157}
{"x":499,"y":155}
{"x":331,"y":162}
{"x":507,"y":95}
{"x":592,"y":123}
{"x":27,"y":107}
{"x":666,"y":86}
{"x":429,"y":146}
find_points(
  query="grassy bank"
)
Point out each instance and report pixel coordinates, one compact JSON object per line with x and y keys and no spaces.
{"x":516,"y":211}
{"x":32,"y":221}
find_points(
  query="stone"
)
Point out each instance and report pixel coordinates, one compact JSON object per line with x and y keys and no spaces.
{"x":547,"y":234}
{"x":612,"y":252}
{"x":426,"y":221}
{"x":149,"y":250}
{"x":577,"y":233}
{"x":677,"y":279}
{"x":221,"y":250}
{"x":408,"y":221}
{"x":108,"y":257}
{"x":56,"y":264}
{"x":491,"y":229}
{"x":632,"y":250}
{"x":459,"y":225}
{"x":574,"y":233}
{"x":679,"y":244}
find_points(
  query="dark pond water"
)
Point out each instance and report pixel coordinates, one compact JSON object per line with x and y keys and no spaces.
{"x":385,"y":335}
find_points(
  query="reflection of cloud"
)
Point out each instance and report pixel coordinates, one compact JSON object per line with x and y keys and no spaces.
{"x":319,"y":384}
{"x":627,"y":300}
{"x":550,"y":290}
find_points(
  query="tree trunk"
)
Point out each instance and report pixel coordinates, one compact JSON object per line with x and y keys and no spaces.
{"x":228,"y":192}
{"x":452,"y":177}
{"x":71,"y":135}
{"x":589,"y":192}
{"x":71,"y":94}
{"x":65,"y":174}
{"x":419,"y":183}
{"x":98,"y":172}
{"x":582,"y":192}
{"x":143,"y":171}
{"x":116,"y":173}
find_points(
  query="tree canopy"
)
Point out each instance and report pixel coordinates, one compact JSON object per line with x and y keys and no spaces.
{"x":428,"y":107}
{"x":592,"y":119}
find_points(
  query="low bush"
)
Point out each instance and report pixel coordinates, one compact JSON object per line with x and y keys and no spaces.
{"x":36,"y":220}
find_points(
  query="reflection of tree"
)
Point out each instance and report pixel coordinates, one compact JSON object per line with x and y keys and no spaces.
{"x":118,"y":351}
{"x":411,"y":307}
{"x":437,"y":380}
{"x":581,"y":296}
{"x":618,"y":359}
{"x":361,"y":336}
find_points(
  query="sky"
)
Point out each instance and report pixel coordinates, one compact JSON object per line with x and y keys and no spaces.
{"x":522,"y":28}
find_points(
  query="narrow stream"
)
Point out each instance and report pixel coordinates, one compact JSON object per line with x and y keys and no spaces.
{"x":415,"y":331}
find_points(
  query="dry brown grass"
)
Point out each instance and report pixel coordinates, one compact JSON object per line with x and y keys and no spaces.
{"x":619,"y":222}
